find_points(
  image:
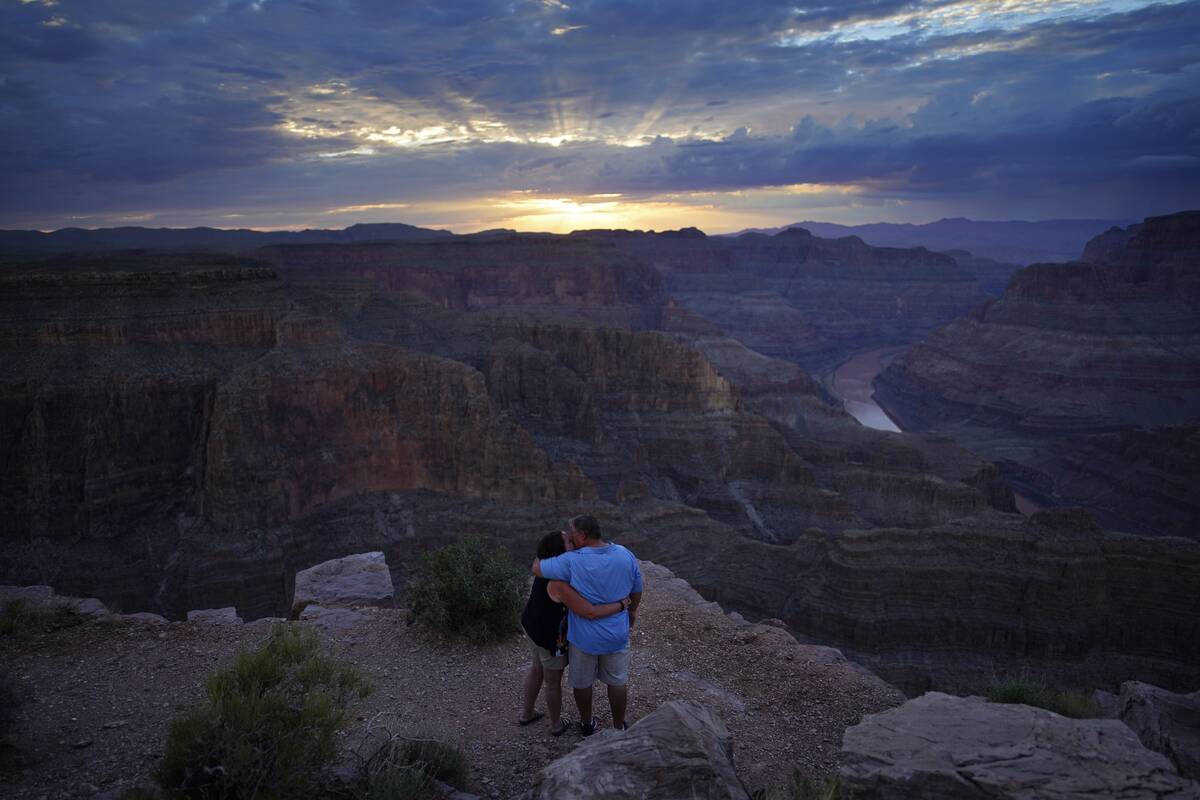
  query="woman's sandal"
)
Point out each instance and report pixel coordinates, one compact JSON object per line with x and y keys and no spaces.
{"x":561,"y":729}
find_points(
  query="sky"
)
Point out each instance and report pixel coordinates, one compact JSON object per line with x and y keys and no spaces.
{"x":557,"y":115}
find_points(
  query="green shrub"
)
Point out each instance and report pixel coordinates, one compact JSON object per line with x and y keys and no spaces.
{"x":267,"y":725}
{"x":23,"y":620}
{"x":407,"y":768}
{"x":1076,"y":704}
{"x":467,"y":589}
{"x":801,"y":787}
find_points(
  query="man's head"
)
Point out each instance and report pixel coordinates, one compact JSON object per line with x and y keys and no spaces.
{"x":585,"y":529}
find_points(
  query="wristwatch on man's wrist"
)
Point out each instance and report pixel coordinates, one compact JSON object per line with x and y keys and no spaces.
{"x":625,"y":603}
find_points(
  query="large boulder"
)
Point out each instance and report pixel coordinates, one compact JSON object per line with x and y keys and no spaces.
{"x":965,"y":748}
{"x":358,"y":580}
{"x":1166,"y":722}
{"x":681,"y":750}
{"x":44,"y":597}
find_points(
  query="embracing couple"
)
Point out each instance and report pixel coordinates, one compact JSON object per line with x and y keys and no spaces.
{"x":591,"y":588}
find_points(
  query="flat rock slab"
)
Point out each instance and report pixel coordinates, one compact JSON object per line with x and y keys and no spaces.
{"x":1164,"y":721}
{"x":680,"y":750}
{"x":358,"y":580}
{"x":965,"y":748}
{"x":215,"y":616}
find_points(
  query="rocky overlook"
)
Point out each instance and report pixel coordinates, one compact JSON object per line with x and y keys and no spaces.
{"x":1084,"y":378}
{"x":185,"y":432}
{"x":104,"y":726}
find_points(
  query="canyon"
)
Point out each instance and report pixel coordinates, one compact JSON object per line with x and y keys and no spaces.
{"x":1082,"y":381}
{"x":187,"y":430}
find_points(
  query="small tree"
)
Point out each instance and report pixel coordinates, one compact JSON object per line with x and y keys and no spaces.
{"x":267,"y":726}
{"x":467,"y":589}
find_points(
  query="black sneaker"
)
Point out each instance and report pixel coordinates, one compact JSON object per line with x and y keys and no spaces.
{"x":588,"y":728}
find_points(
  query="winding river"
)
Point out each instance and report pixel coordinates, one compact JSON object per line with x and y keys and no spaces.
{"x":851,"y":382}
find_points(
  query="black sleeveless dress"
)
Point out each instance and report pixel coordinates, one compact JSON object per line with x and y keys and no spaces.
{"x":542,"y":617}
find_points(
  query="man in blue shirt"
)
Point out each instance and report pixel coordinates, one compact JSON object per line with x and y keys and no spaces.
{"x":599,"y":648}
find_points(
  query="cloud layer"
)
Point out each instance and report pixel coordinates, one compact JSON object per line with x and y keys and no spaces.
{"x":559,"y":114}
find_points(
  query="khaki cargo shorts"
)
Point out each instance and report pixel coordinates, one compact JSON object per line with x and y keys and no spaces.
{"x":549,"y":660}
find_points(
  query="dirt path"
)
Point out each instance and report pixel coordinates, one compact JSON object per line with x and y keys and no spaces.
{"x":96,"y":699}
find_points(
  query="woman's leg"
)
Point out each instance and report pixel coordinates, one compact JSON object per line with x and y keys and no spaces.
{"x":553,"y":681}
{"x":530,"y":687}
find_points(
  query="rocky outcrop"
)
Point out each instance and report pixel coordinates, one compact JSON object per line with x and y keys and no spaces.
{"x":1165,"y":722}
{"x":1070,"y":353}
{"x":680,"y":750}
{"x":992,"y":275}
{"x":590,"y":278}
{"x":962,"y":748}
{"x":361,"y":579}
{"x":281,"y":443}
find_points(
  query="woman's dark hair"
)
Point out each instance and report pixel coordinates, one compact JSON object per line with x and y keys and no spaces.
{"x":551,"y":545}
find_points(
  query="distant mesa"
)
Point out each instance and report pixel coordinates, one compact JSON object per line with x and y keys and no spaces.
{"x":32,"y":243}
{"x":1016,"y":242}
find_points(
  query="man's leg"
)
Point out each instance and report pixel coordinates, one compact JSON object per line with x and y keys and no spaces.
{"x":530,"y":687}
{"x":618,"y":698}
{"x":583,"y":701}
{"x":613,"y":669}
{"x":553,"y":682}
{"x":583,"y":675}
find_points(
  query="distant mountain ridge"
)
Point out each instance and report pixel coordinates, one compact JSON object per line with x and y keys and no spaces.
{"x":1016,"y":241}
{"x":129,"y":238}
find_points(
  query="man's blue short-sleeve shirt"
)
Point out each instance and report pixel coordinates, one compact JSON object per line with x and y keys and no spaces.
{"x":601,"y":575}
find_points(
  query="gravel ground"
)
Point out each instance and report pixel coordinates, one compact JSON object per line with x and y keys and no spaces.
{"x":95,"y":700}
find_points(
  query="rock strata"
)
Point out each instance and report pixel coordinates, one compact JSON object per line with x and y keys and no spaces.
{"x":939,"y":746}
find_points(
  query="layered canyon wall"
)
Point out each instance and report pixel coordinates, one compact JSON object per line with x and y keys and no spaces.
{"x":1083,"y":379}
{"x":182,"y":432}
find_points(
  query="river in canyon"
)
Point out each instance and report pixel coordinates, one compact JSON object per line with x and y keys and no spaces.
{"x":852,"y":384}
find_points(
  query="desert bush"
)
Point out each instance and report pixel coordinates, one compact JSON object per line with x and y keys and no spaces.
{"x":267,"y":725}
{"x":23,"y":620}
{"x":467,"y":589}
{"x":801,"y":787}
{"x":1068,"y":703}
{"x":408,"y":768}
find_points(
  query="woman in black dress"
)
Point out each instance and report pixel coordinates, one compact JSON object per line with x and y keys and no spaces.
{"x":545,"y":623}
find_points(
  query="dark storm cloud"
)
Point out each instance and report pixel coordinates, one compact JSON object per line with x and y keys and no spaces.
{"x":137,"y":105}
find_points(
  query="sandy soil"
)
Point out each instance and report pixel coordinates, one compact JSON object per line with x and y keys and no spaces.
{"x":96,"y":699}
